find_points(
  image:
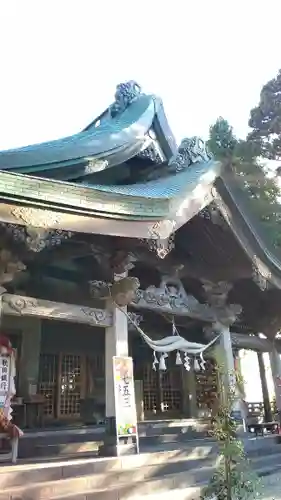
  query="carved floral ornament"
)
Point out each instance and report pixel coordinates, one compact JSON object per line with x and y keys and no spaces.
{"x":172,"y":298}
{"x":261,"y":274}
{"x":170,"y":293}
{"x":36,"y":239}
{"x":161,"y":246}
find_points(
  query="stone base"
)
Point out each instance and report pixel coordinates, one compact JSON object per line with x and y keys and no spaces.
{"x":114,"y":446}
{"x":114,"y":450}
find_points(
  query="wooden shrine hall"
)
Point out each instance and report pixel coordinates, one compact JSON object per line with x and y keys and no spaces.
{"x":119,"y":210}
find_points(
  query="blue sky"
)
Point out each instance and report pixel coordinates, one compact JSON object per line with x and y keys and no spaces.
{"x":61,"y":60}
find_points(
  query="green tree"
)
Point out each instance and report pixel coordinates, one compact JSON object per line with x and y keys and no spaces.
{"x":233,"y":477}
{"x":240,"y":157}
{"x":265,"y":120}
{"x":222,"y":141}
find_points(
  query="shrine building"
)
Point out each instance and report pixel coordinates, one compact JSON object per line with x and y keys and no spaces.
{"x":121,"y":199}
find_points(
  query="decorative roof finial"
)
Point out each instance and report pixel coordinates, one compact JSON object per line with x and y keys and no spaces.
{"x":125,"y":94}
{"x":191,"y":150}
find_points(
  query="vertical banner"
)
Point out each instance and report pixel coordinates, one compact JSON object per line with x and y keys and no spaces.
{"x":5,"y":375}
{"x":124,"y":392}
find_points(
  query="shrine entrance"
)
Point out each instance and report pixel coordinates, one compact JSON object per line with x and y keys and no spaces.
{"x":62,"y":382}
{"x":162,"y":391}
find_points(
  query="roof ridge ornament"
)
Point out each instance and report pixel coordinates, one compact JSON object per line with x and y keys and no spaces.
{"x":125,"y":94}
{"x":191,"y":150}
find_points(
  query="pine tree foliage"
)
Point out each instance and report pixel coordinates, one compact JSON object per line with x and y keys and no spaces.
{"x":241,"y":158}
{"x":265,"y":120}
{"x":233,"y":478}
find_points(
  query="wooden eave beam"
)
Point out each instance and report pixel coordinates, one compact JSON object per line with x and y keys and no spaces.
{"x":17,"y":305}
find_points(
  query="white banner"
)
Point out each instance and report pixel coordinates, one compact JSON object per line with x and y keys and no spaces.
{"x":5,"y":377}
{"x":124,"y":391}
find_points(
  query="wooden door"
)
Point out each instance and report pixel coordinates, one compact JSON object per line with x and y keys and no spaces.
{"x":62,"y":383}
{"x":71,"y":385}
{"x":172,"y":390}
{"x":48,"y":377}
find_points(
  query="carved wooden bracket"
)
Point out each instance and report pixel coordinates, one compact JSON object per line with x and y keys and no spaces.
{"x":9,"y":266}
{"x":217,"y":294}
{"x":122,"y":262}
{"x":171,"y":298}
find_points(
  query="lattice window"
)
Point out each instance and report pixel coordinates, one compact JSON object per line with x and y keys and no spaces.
{"x":47,"y":381}
{"x":206,"y":388}
{"x":96,"y":363}
{"x":150,"y":388}
{"x":171,"y":390}
{"x":95,"y":377}
{"x":70,"y":385}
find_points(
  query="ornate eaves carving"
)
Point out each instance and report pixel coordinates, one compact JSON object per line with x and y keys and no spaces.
{"x":161,"y":246}
{"x":171,"y":298}
{"x":217,"y":294}
{"x":121,"y":291}
{"x":34,"y":238}
{"x":261,"y":274}
{"x":34,"y":218}
{"x":191,"y":150}
{"x":125,"y":94}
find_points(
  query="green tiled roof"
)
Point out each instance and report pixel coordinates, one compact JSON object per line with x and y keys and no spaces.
{"x":150,"y":199}
{"x":44,"y":174}
{"x":112,"y":135}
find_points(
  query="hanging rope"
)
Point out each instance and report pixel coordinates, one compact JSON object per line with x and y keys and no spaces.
{"x":169,"y":344}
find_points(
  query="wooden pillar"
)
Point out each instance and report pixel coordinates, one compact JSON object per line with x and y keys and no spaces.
{"x":265,"y":393}
{"x":28,"y":365}
{"x":217,"y":295}
{"x":159,"y":398}
{"x":30,"y":356}
{"x":275,"y":363}
{"x":116,"y":344}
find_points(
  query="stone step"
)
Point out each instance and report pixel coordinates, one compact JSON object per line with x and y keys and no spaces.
{"x":148,"y":428}
{"x":50,"y":470}
{"x":128,"y":482}
{"x":29,"y":449}
{"x":189,"y":451}
{"x":86,"y":443}
{"x":63,"y":442}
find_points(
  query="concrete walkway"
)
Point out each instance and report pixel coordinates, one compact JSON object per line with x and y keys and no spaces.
{"x":271,"y":489}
